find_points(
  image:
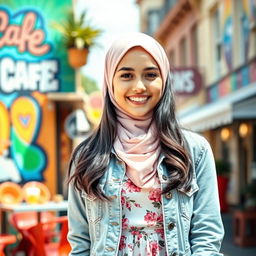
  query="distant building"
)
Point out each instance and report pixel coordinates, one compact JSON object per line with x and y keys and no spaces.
{"x":212,"y":50}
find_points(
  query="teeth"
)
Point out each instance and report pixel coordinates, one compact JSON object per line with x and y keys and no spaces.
{"x":138,"y":99}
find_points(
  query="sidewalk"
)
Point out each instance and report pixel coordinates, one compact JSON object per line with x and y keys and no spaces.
{"x":228,"y":247}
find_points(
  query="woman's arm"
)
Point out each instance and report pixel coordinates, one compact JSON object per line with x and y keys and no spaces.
{"x":207,"y":230}
{"x":78,"y":235}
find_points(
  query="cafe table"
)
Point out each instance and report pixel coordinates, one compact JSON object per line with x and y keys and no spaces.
{"x":25,"y":207}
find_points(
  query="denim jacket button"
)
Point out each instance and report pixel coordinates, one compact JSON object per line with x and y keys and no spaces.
{"x":171,"y":225}
{"x":168,"y":195}
{"x":164,"y":177}
{"x":114,"y":223}
{"x":110,"y":249}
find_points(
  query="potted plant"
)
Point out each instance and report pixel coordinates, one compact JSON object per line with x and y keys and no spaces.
{"x":78,"y":36}
{"x":223,"y":169}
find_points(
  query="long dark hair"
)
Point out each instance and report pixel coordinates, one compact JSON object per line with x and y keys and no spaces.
{"x":91,"y":157}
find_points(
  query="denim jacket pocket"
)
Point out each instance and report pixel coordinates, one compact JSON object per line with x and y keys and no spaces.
{"x":186,"y":200}
{"x":194,"y":188}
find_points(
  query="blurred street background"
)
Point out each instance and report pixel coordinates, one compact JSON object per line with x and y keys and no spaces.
{"x":50,"y":98}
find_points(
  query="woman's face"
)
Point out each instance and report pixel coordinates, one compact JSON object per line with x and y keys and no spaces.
{"x":137,"y":83}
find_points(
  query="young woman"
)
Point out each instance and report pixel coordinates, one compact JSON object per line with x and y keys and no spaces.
{"x":139,"y":185}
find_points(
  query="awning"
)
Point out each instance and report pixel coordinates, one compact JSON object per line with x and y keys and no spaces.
{"x":219,"y":113}
{"x":208,"y":117}
{"x":245,"y":109}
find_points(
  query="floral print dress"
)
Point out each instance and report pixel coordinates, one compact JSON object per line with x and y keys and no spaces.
{"x":142,"y":222}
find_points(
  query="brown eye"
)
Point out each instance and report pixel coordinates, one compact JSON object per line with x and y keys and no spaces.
{"x":126,"y":76}
{"x":151,"y":75}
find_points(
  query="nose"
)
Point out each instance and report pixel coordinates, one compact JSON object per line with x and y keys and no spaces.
{"x":139,"y":86}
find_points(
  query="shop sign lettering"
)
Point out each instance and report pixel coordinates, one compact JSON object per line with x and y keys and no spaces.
{"x":24,"y":36}
{"x":30,"y":68}
{"x":186,"y":81}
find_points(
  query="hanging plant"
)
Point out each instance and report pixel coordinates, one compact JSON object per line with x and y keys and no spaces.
{"x":78,"y":37}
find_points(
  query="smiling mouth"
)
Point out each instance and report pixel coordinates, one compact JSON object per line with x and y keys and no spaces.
{"x":138,"y":100}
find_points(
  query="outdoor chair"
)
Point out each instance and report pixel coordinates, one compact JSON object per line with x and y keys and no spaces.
{"x":22,"y":221}
{"x":6,"y":239}
{"x":40,"y":247}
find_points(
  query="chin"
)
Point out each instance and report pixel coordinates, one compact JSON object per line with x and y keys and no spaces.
{"x":137,"y":115}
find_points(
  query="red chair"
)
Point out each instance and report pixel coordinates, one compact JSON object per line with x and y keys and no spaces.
{"x":6,"y":239}
{"x":22,"y":221}
{"x":39,"y":247}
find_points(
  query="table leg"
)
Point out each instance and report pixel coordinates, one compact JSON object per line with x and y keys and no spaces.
{"x":3,"y":219}
{"x":38,"y":217}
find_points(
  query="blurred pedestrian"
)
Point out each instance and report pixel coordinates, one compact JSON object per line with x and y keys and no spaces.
{"x":139,"y":184}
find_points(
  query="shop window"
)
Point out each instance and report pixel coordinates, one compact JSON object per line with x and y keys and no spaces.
{"x":183,"y":52}
{"x":194,"y":45}
{"x":172,"y":58}
{"x":169,"y":4}
{"x":217,"y":41}
{"x":252,"y":9}
{"x":242,"y":35}
{"x":153,"y":21}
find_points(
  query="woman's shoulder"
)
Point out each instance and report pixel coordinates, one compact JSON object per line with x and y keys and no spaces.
{"x":195,"y":140}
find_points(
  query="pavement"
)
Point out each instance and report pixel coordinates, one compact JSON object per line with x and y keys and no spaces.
{"x":228,"y":247}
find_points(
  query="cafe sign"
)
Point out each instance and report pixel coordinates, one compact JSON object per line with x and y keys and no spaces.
{"x":27,"y":63}
{"x":186,"y":81}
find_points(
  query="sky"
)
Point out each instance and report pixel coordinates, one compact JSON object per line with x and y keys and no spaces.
{"x":114,"y":17}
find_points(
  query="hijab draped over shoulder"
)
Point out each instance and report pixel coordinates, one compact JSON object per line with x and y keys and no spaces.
{"x":136,"y":142}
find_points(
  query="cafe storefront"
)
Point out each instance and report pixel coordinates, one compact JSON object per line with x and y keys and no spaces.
{"x":33,"y":143}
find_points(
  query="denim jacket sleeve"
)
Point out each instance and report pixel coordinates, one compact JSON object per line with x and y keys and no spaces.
{"x":207,"y":230}
{"x":78,"y":235}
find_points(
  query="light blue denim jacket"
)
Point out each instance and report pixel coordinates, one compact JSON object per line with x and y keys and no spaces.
{"x":192,"y":220}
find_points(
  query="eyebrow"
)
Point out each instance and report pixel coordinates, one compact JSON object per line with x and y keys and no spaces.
{"x":132,"y":69}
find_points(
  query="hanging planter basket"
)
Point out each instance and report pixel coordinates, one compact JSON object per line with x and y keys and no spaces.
{"x":77,"y":57}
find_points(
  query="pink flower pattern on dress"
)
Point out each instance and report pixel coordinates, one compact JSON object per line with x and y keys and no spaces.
{"x":130,"y":187}
{"x":125,"y":223}
{"x":151,"y":218}
{"x":155,"y":197}
{"x":154,"y":248}
{"x":122,"y":244}
{"x":147,"y":238}
{"x":127,"y":202}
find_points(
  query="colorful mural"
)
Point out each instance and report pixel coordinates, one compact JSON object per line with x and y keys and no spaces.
{"x":245,"y":27}
{"x":32,"y":63}
{"x":245,"y":76}
{"x":248,"y":8}
{"x":20,"y":125}
{"x":227,"y":38}
{"x":253,"y":11}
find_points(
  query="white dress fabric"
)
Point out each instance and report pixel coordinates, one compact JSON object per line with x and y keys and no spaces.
{"x":142,"y":222}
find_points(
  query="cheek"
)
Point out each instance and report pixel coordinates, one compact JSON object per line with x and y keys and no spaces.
{"x":119,"y":92}
{"x":157,"y":88}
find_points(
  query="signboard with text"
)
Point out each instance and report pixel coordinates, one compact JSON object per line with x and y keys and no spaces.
{"x":186,"y":81}
{"x":33,"y":61}
{"x":31,"y":55}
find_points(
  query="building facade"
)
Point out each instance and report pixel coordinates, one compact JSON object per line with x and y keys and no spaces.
{"x":211,"y":46}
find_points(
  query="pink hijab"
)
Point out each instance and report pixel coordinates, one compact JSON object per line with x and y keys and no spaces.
{"x":136,"y":143}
